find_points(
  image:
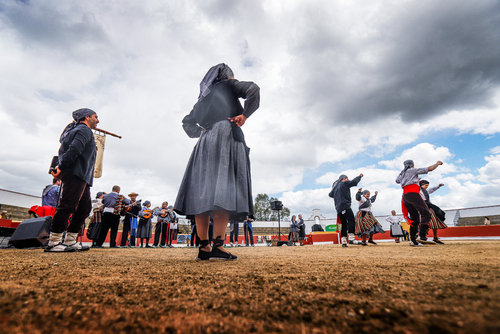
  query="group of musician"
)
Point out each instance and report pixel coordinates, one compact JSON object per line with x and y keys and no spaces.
{"x":137,"y":231}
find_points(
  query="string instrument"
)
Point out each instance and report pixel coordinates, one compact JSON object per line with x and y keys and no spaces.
{"x":127,"y":208}
{"x":164,"y":213}
{"x":148,"y":213}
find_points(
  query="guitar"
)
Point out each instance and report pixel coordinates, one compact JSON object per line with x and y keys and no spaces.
{"x":165,"y":212}
{"x":127,"y":208}
{"x":148,"y":213}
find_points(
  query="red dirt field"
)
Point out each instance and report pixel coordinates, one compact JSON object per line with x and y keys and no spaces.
{"x":388,"y":288}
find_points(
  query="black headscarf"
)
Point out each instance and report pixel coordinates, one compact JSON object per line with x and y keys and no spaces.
{"x":215,"y":74}
{"x":408,"y":164}
{"x":424,"y":191}
{"x":336,"y":183}
{"x":78,"y":116}
{"x":423,"y":182}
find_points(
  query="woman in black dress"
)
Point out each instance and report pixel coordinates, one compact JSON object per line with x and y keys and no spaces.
{"x":217,"y":181}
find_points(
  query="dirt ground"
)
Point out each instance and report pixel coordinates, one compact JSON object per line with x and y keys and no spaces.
{"x":388,"y":288}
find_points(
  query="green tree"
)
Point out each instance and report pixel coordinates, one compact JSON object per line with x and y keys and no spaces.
{"x":263,"y":212}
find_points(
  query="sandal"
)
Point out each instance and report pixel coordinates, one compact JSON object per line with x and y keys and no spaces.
{"x":203,"y":255}
{"x":217,"y":254}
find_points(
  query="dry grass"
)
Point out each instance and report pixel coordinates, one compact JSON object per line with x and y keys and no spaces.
{"x":388,"y":288}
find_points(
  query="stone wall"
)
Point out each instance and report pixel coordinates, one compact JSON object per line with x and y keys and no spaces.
{"x":475,"y":221}
{"x":15,"y":213}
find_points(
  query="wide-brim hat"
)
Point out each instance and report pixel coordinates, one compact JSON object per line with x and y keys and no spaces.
{"x":133,"y":194}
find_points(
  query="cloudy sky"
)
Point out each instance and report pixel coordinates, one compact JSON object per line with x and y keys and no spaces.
{"x":346,"y":87}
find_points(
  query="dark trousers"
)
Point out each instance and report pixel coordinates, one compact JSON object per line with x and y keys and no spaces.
{"x":75,"y":202}
{"x":127,"y":227}
{"x":194,"y":234}
{"x":160,"y":231}
{"x":248,"y":235}
{"x":172,"y":235}
{"x":348,"y":222}
{"x":126,"y":231}
{"x":234,"y":234}
{"x":109,"y":221}
{"x":419,"y":213}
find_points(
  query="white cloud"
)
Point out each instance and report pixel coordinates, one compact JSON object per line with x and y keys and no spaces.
{"x":423,"y":155}
{"x":339,"y":81}
{"x":461,"y":189}
{"x":490,"y":173}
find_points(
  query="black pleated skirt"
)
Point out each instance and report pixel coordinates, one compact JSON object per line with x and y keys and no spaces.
{"x":217,"y":176}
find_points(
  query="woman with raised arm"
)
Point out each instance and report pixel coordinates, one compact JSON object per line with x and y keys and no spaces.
{"x":366,"y":223}
{"x":415,"y":210}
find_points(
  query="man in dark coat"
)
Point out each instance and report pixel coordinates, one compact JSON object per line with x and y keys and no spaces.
{"x":341,"y":194}
{"x":129,"y":225}
{"x":114,"y":204}
{"x":77,"y":156}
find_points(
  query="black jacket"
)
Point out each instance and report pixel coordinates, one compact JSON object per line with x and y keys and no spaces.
{"x":78,"y":153}
{"x":342,"y":194}
{"x":222,"y":103}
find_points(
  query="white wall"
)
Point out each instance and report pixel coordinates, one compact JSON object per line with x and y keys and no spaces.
{"x":18,"y":199}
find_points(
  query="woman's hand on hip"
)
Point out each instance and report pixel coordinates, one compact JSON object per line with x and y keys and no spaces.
{"x":239,"y":120}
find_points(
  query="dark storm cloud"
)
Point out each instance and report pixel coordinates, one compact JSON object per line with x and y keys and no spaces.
{"x":56,"y":96}
{"x":224,"y":10}
{"x":49,"y":28}
{"x":247,"y":59}
{"x":423,"y":59}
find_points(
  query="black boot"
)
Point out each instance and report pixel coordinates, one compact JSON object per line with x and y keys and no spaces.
{"x":413,"y":240}
{"x":217,"y":254}
{"x":202,"y":255}
{"x":423,"y":233}
{"x":423,"y":236}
